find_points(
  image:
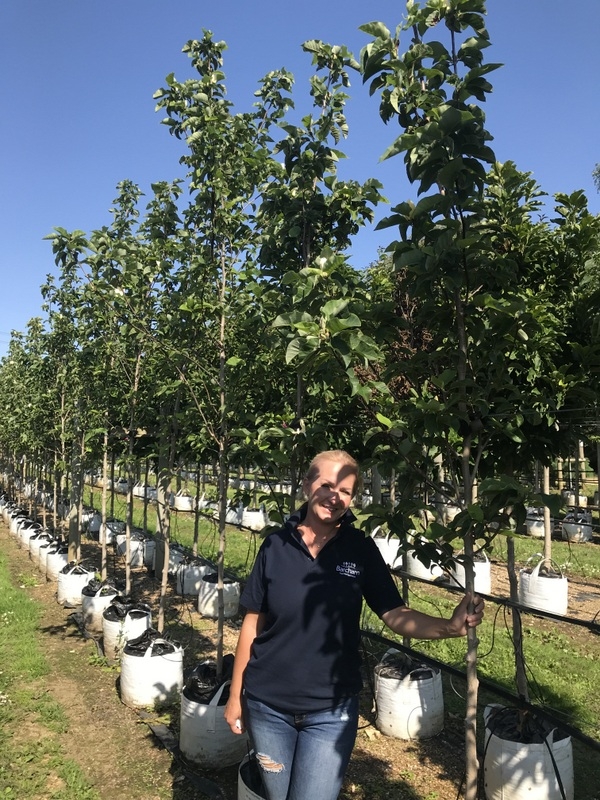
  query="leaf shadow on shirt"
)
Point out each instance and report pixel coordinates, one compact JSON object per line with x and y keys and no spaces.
{"x":340,"y":607}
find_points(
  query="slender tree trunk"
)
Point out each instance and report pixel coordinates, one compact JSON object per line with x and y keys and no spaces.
{"x":547,"y":522}
{"x":163,"y":482}
{"x":104,"y":503}
{"x":55,"y":494}
{"x":165,"y":471}
{"x":81,"y":490}
{"x":517,"y":627}
{"x":296,"y":456}
{"x":376,"y":486}
{"x":75,"y":494}
{"x":223,"y":473}
{"x":598,"y":473}
{"x":112,"y":484}
{"x":196,"y":512}
{"x":145,"y":506}
{"x":130,"y":472}
{"x":471,"y":759}
{"x":559,"y":474}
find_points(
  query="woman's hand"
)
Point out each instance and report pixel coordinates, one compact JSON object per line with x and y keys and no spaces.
{"x":233,"y":716}
{"x":461,"y":619}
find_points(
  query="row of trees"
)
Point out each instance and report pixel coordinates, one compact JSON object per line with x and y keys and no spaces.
{"x":222,"y":323}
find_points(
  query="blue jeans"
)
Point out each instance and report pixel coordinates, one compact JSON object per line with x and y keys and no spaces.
{"x":302,"y":756}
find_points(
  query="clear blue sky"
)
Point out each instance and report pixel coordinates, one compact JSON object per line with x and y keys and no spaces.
{"x":79,"y":75}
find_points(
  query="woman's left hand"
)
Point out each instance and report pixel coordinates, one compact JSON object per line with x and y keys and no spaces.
{"x":462,"y":619}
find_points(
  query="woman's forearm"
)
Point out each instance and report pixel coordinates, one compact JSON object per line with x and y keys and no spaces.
{"x":408,"y":622}
{"x":251,"y":627}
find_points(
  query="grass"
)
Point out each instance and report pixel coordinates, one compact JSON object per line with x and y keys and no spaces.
{"x":31,"y":760}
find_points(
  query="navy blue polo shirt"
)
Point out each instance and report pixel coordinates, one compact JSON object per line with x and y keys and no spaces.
{"x":307,"y":657}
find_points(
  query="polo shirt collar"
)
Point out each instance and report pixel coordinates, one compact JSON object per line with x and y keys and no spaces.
{"x":298,"y":516}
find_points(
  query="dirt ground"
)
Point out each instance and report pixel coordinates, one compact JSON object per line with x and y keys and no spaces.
{"x":128,"y":754}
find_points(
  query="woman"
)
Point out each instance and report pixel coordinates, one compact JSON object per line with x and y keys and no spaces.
{"x":296,"y":676}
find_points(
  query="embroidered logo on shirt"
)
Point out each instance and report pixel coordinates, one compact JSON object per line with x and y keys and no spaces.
{"x":349,"y":569}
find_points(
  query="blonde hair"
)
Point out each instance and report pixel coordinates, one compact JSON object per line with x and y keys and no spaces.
{"x":338,"y":457}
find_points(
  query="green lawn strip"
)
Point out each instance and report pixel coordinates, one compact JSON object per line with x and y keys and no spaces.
{"x":31,"y":762}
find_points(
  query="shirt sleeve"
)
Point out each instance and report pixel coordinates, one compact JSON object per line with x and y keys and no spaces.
{"x":254,"y":596}
{"x":380,"y":591}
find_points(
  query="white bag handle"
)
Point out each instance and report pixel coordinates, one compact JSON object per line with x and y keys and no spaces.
{"x":212,"y":707}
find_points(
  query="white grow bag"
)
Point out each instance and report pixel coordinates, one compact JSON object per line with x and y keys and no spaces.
{"x":245,"y":777}
{"x":545,"y":593}
{"x":388,"y":546}
{"x":189,"y":576}
{"x":534,"y":523}
{"x":35,"y":544}
{"x":56,"y":559}
{"x":71,"y":580}
{"x":517,"y":771}
{"x":483,"y":575}
{"x":94,"y":605}
{"x":152,"y":679}
{"x":255,"y":518}
{"x":118,"y":630}
{"x":411,"y":707}
{"x":27,"y":529}
{"x":415,"y":567}
{"x":149,"y":553}
{"x":577,"y":527}
{"x":205,"y":738}
{"x":183,"y":502}
{"x":45,"y":549}
{"x":208,"y":597}
{"x":16,"y":518}
{"x":176,"y":556}
{"x":136,"y":548}
{"x":113,"y":527}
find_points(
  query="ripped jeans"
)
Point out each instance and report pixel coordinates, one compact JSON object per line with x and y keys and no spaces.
{"x":302,"y":756}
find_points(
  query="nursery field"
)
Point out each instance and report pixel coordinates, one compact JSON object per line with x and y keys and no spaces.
{"x":66,"y":734}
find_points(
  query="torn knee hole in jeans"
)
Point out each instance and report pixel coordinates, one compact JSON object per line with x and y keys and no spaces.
{"x":267,"y":763}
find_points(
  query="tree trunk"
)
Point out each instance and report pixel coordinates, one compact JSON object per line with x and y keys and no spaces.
{"x":75,"y":495}
{"x":517,"y":627}
{"x":104,"y":499}
{"x":547,"y":522}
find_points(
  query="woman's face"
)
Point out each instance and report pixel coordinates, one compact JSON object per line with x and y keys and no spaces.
{"x":330,"y":493}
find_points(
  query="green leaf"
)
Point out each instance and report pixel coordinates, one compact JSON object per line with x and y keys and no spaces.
{"x":375,"y":29}
{"x":337,"y":325}
{"x":476,"y":512}
{"x":553,"y":502}
{"x":333,"y":307}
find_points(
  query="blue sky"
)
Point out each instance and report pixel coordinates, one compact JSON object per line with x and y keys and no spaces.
{"x":79,"y":75}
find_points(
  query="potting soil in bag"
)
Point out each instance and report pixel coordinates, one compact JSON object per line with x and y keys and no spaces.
{"x":399,"y":666}
{"x":117,"y":610}
{"x":104,"y":587}
{"x":524,"y":727}
{"x":201,"y":684}
{"x":74,"y":568}
{"x":139,"y":646}
{"x":213,"y":577}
